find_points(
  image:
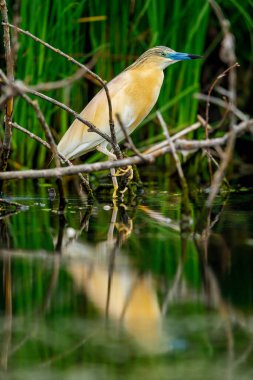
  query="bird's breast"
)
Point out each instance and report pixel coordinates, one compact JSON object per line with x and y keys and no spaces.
{"x":139,"y":97}
{"x":133,"y":94}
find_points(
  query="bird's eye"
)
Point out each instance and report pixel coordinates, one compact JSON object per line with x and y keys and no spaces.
{"x":163,"y":54}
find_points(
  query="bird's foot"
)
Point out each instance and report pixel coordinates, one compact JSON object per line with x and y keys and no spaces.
{"x":129,"y":171}
{"x":128,"y":176}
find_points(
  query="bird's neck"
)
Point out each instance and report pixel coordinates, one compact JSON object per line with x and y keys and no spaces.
{"x":148,"y":73}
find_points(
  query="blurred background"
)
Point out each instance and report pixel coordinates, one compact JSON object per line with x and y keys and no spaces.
{"x":110,"y":35}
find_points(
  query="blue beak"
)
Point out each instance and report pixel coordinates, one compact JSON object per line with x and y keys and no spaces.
{"x":182,"y":56}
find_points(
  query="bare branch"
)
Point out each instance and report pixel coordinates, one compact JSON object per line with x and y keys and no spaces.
{"x":227,"y":54}
{"x":180,"y":145}
{"x":7,"y":46}
{"x":163,"y":144}
{"x":173,"y":150}
{"x":31,"y":135}
{"x":5,"y":149}
{"x":203,"y":122}
{"x":220,"y":173}
{"x":46,"y":145}
{"x":128,"y":139}
{"x":221,"y":103}
{"x":10,"y":203}
{"x":20,"y":88}
{"x":45,"y":127}
{"x":95,"y":76}
{"x":224,"y":73}
{"x":59,"y":83}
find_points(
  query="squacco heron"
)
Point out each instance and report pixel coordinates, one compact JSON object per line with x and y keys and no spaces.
{"x":133,"y":94}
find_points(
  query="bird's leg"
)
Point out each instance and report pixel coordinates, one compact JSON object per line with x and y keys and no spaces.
{"x":112,"y":157}
{"x":104,"y":150}
{"x":127,"y":175}
{"x":128,"y":171}
{"x":115,"y":183}
{"x":121,"y":171}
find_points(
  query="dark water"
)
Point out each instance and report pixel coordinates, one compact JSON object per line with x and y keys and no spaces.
{"x":155,"y":289}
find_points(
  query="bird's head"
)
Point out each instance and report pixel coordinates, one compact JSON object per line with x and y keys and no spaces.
{"x":162,"y":57}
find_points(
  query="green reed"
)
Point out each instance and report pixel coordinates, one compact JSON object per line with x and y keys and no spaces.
{"x":129,"y":28}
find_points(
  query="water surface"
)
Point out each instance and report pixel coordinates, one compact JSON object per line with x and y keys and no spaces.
{"x":153,"y":289}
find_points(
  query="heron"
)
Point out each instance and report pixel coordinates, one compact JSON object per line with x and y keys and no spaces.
{"x":133,"y":94}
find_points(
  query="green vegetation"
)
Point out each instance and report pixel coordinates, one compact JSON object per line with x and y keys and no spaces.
{"x":116,"y":33}
{"x":126,"y":31}
{"x":58,"y":329}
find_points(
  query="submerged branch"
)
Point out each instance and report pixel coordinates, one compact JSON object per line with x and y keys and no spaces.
{"x":8,"y":208}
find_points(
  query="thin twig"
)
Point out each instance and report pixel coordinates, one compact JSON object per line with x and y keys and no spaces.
{"x":225,"y":114}
{"x":20,"y":88}
{"x":222,"y":91}
{"x":31,"y":135}
{"x":227,"y":54}
{"x":10,"y":203}
{"x":220,"y":173}
{"x":95,"y":76}
{"x":128,"y":138}
{"x":34,"y":104}
{"x":63,"y":83}
{"x":223,"y":104}
{"x":230,"y":68}
{"x":69,"y":350}
{"x":173,"y":150}
{"x":222,"y":75}
{"x":46,"y":145}
{"x":98,"y":166}
{"x":203,"y":122}
{"x":163,"y":144}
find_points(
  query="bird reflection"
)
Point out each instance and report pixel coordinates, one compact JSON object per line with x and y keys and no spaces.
{"x":117,"y":290}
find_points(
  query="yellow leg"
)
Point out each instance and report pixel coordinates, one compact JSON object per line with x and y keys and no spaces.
{"x":102,"y":148}
{"x":120,"y":172}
